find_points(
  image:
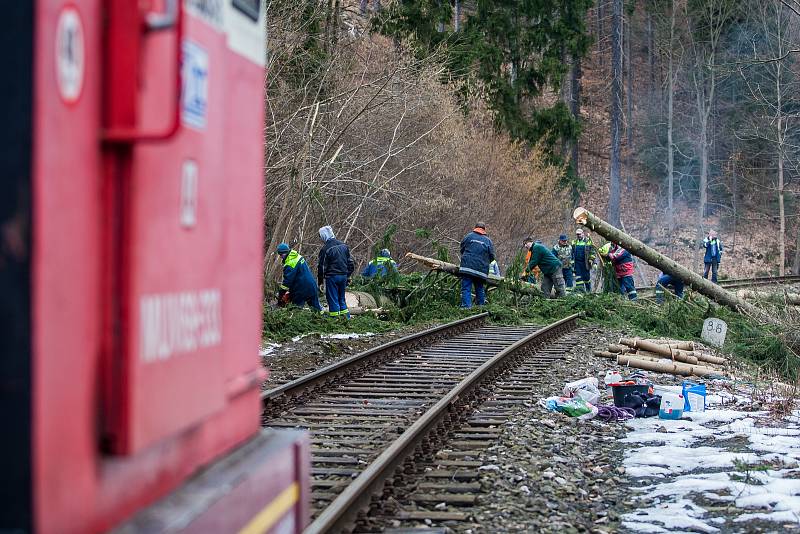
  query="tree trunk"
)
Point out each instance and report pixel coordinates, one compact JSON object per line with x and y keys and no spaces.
{"x":600,"y":30}
{"x":701,"y":208}
{"x":629,"y":102}
{"x":575,"y":108}
{"x":457,"y":16}
{"x":650,"y":54}
{"x":667,"y":367}
{"x":616,"y":111}
{"x":796,"y":264}
{"x":781,"y":141}
{"x":735,"y":204}
{"x":666,"y":264}
{"x":670,"y":145}
{"x":782,"y":210}
{"x":788,"y":298}
{"x":451,"y":268}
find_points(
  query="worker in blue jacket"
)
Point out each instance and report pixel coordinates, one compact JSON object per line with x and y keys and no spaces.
{"x":477,"y":253}
{"x":666,"y":281}
{"x":298,"y":285}
{"x":380,"y":266}
{"x":334,"y":269}
{"x":713,"y":256}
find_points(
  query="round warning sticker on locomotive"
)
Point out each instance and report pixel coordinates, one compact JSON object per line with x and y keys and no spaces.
{"x":70,"y":55}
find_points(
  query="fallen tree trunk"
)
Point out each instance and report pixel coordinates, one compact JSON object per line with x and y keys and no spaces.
{"x":666,"y":264}
{"x":517,"y":286}
{"x":789,"y":298}
{"x":667,"y":367}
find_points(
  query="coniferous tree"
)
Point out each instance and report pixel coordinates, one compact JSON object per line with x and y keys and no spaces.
{"x":514,"y":47}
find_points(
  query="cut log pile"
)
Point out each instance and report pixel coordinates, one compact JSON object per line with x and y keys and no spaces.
{"x":665,"y":356}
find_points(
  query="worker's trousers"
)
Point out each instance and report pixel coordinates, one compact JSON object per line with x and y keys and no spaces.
{"x":552,"y":282}
{"x":312,"y":301}
{"x":335,"y":287}
{"x":675,"y":288}
{"x":567,"y":273}
{"x":713,"y":266}
{"x":467,"y":282}
{"x":627,"y":287}
{"x":584,"y":278}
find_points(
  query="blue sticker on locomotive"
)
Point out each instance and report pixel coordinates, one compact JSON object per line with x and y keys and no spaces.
{"x":194,"y":92}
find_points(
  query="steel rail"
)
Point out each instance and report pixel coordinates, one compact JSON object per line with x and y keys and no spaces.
{"x":343,"y":511}
{"x":325,"y":375}
{"x":749,"y":282}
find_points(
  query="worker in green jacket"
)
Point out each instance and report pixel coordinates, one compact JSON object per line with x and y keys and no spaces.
{"x":550,"y":266}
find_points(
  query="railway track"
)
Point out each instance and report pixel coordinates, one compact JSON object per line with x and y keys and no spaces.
{"x":372,"y":416}
{"x":750,"y":282}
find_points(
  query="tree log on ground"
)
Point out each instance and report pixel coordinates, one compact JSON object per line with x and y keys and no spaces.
{"x":666,"y":367}
{"x":517,"y":286}
{"x":690,"y":357}
{"x":789,"y":298}
{"x":661,"y":350}
{"x":683,"y":345}
{"x":666,"y":264}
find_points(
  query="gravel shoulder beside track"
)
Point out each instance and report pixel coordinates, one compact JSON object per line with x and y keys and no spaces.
{"x":552,"y":473}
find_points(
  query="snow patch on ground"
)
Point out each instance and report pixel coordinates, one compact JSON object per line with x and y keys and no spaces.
{"x":268,"y":348}
{"x":712,"y":470}
{"x":346,"y":336}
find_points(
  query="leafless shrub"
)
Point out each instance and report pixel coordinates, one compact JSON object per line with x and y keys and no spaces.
{"x":366,"y":135}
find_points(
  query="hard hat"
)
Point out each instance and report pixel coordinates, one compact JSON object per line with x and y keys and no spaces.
{"x":283,"y":248}
{"x":562,"y":237}
{"x":481,"y":225}
{"x":579,"y":231}
{"x":604,"y":250}
{"x":385,"y":252}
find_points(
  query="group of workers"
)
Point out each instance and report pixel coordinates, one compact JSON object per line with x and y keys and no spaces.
{"x":552,"y":267}
{"x":335,"y":268}
{"x":563,"y":268}
{"x":566,"y":266}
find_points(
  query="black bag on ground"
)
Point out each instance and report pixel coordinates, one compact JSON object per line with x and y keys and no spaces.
{"x":643,"y":405}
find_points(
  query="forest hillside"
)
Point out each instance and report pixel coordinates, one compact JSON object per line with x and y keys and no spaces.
{"x":401,"y":124}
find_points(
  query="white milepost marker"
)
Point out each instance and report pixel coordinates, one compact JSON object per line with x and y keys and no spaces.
{"x":714,"y":331}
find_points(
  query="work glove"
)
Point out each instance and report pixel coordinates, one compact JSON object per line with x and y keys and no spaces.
{"x":322,"y":287}
{"x":349,"y":281}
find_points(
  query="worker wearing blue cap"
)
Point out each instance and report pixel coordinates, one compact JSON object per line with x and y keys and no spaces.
{"x":298,"y":286}
{"x":563,"y":251}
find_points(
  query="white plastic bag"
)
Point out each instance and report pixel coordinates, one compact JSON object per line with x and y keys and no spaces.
{"x":585,"y":388}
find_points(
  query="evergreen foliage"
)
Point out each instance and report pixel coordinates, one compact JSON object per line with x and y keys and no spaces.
{"x":433,"y":298}
{"x":516,"y":49}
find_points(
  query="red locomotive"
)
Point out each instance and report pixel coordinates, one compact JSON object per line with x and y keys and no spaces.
{"x":130,"y":272}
